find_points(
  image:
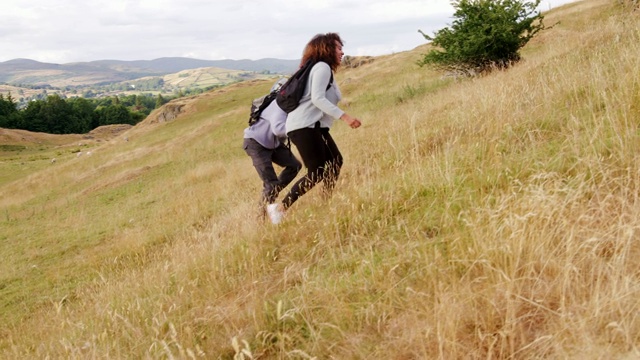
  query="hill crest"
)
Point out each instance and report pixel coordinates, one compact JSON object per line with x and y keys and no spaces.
{"x":31,"y":72}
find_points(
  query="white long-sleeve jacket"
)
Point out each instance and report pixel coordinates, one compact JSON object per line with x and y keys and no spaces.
{"x":318,"y":103}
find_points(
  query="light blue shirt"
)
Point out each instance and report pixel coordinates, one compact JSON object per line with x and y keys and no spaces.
{"x":269,"y":131}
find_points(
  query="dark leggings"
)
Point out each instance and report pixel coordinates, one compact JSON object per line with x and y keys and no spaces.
{"x":320,"y":156}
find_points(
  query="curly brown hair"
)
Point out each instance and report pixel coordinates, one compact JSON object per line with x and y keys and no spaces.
{"x":322,"y":47}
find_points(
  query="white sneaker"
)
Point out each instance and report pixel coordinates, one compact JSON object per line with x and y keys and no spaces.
{"x":275,"y":212}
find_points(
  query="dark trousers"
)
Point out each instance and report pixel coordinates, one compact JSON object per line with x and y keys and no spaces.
{"x":263,"y":160}
{"x":322,"y":159}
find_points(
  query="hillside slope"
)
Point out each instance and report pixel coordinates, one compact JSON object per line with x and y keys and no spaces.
{"x":495,"y":217}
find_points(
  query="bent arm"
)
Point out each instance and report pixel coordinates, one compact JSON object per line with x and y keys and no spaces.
{"x":320,"y":77}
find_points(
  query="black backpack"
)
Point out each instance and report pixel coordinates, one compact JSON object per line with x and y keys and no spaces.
{"x":260,"y":104}
{"x":291,"y":92}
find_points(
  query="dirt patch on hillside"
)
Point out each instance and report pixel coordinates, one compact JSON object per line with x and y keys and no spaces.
{"x":174,"y":109}
{"x":169,"y":111}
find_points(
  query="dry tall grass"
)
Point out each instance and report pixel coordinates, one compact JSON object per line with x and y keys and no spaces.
{"x":491,"y":218}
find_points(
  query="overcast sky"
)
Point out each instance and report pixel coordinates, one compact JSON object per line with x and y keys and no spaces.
{"x":64,"y":31}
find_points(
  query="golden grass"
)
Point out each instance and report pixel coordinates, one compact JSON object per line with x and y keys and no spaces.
{"x":489,"y":218}
{"x":23,"y":152}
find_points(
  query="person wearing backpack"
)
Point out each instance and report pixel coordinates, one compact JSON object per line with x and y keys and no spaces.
{"x":309,"y":123}
{"x":264,"y":141}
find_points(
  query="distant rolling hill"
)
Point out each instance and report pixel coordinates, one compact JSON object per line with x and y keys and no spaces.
{"x":175,"y":64}
{"x":30,"y":72}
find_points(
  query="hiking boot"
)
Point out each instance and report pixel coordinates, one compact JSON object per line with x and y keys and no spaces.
{"x":276,"y":213}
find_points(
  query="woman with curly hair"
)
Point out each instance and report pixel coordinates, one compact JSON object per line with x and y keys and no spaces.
{"x":308,"y":125}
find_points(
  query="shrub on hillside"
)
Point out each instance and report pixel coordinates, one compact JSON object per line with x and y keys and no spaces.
{"x":485,"y":34}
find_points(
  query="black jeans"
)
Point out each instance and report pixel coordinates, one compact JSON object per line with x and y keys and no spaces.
{"x":322,"y":159}
{"x":263,"y":160}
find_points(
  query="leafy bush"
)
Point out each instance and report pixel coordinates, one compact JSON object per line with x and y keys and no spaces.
{"x":485,"y":34}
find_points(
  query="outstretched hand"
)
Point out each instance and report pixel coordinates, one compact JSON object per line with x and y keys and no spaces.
{"x":354,"y":123}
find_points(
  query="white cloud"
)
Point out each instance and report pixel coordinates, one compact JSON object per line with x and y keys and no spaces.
{"x":77,"y":30}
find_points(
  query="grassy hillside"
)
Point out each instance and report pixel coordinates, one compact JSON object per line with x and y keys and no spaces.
{"x":497,"y":217}
{"x":23,"y":153}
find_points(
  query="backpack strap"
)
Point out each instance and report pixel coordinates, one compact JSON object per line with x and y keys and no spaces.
{"x":330,"y":81}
